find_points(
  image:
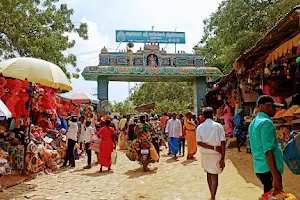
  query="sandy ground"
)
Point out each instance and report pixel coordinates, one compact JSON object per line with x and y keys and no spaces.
{"x":244,"y":164}
{"x":167,"y":180}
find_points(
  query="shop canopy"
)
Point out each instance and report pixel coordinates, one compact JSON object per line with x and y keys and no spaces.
{"x":278,"y":41}
{"x":147,"y":108}
{"x":36,"y":70}
{"x":79,"y":97}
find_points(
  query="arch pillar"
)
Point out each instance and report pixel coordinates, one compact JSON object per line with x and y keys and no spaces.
{"x":102,"y":90}
{"x":199,"y":93}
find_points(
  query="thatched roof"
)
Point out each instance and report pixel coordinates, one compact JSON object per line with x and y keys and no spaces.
{"x":285,"y":29}
{"x":145,"y":108}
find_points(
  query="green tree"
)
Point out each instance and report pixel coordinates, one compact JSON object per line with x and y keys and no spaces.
{"x":168,"y":97}
{"x":39,"y":29}
{"x":236,"y":26}
{"x":124,"y":107}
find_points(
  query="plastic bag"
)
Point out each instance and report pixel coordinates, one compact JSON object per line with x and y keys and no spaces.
{"x":95,"y":143}
{"x":291,"y":154}
{"x":114,"y":158}
{"x":274,"y":195}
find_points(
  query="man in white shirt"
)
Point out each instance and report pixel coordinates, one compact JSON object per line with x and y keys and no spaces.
{"x":71,"y":141}
{"x":115,"y":121}
{"x":86,"y":138}
{"x":174,"y":130}
{"x":211,"y":139}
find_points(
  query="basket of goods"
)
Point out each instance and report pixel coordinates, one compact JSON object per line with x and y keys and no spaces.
{"x":274,"y":195}
{"x":278,"y":116}
{"x":297,"y":113}
{"x":289,"y":114}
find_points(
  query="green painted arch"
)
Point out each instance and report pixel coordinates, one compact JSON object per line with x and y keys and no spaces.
{"x":143,"y":73}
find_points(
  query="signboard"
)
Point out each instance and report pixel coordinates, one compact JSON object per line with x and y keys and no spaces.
{"x":150,"y":36}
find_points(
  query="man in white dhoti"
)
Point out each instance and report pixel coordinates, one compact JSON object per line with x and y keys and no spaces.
{"x":211,"y":139}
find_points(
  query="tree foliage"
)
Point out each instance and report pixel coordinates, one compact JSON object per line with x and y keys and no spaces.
{"x":168,"y":96}
{"x":39,"y":29}
{"x":236,"y":26}
{"x":124,"y":108}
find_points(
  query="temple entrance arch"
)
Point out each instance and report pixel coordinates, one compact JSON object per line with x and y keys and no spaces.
{"x":127,"y":66}
{"x":151,"y":64}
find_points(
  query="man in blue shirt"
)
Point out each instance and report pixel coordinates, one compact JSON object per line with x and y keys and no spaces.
{"x":267,"y":154}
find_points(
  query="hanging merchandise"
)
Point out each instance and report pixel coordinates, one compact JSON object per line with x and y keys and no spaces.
{"x":267,"y":71}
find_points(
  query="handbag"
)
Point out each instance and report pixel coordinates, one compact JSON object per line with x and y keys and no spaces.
{"x":95,"y":143}
{"x":114,"y":158}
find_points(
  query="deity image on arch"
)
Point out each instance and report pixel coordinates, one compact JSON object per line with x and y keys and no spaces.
{"x":152,"y":60}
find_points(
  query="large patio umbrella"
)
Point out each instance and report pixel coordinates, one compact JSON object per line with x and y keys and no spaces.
{"x":36,"y":70}
{"x":78,"y":97}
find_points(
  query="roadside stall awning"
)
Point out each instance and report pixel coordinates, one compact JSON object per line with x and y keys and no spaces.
{"x":36,"y":70}
{"x":79,"y":97}
{"x":145,"y":108}
{"x":281,"y":38}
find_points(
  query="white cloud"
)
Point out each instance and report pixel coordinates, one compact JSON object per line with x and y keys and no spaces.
{"x":98,"y":38}
{"x":104,"y":17}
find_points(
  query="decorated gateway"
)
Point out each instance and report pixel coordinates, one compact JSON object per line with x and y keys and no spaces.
{"x":151,"y":64}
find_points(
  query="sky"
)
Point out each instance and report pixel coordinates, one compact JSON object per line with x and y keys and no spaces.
{"x":104,"y":17}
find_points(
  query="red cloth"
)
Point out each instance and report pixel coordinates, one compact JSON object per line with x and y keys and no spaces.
{"x":164,"y":120}
{"x":202,"y":120}
{"x":106,"y":146}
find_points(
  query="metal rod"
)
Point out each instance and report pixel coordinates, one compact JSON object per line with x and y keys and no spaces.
{"x":168,"y":43}
{"x":118,"y":47}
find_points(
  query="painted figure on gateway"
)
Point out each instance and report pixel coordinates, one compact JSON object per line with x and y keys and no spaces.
{"x":152,"y":60}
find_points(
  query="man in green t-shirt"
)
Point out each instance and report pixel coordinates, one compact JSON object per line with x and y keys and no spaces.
{"x":267,"y":154}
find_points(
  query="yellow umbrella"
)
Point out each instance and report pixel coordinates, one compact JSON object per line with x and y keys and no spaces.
{"x":36,"y":70}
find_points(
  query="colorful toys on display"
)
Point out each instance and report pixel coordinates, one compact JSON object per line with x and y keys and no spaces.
{"x":4,"y":164}
{"x":37,"y":129}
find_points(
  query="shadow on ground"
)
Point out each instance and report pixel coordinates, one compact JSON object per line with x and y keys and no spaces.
{"x":18,"y":191}
{"x":243,"y":162}
{"x":96,"y":174}
{"x":139,"y":172}
{"x":187,"y":162}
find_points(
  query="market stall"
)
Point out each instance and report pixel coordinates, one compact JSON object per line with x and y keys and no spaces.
{"x":271,"y":67}
{"x":29,"y":139}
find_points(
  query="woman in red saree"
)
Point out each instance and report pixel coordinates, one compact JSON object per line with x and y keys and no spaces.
{"x":107,"y":145}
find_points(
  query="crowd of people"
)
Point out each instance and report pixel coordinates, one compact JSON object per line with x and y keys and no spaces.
{"x":173,"y":131}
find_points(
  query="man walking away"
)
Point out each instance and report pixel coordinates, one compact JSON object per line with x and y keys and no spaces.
{"x":174,"y":130}
{"x":211,"y":139}
{"x":267,"y":154}
{"x":71,"y":141}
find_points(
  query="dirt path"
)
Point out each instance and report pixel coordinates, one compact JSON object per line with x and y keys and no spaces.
{"x":244,"y":163}
{"x":167,"y":180}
